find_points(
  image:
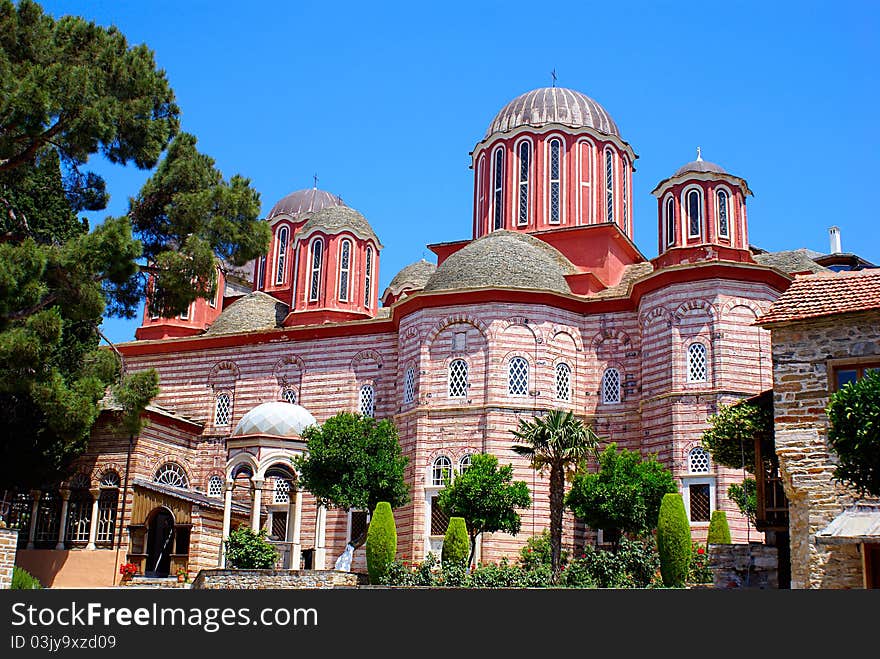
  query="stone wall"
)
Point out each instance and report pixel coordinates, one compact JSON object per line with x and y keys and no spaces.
{"x":8,"y":544}
{"x":273,"y":579}
{"x":752,"y":565}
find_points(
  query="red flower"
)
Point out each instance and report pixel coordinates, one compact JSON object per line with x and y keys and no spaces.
{"x":701,"y":551}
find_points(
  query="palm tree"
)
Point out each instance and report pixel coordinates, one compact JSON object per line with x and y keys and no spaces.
{"x":557,"y":441}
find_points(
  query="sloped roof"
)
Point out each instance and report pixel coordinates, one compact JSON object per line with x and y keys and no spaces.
{"x":192,"y":496}
{"x":824,"y":294}
{"x":304,"y":201}
{"x":255,"y":311}
{"x":791,"y":261}
{"x":556,"y":105}
{"x":859,"y":523}
{"x":413,"y":276}
{"x":334,"y":219}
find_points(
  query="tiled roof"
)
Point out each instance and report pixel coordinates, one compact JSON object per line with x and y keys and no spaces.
{"x":791,"y":261}
{"x":253,"y":312}
{"x":824,"y":294}
{"x":556,"y":105}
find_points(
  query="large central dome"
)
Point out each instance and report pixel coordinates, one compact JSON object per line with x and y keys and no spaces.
{"x":553,"y":105}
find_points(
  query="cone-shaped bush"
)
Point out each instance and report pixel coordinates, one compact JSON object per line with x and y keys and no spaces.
{"x":456,"y":543}
{"x":381,"y":542}
{"x":673,"y":541}
{"x":719,"y":530}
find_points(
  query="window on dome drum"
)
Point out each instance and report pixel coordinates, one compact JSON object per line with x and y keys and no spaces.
{"x":723,"y":222}
{"x":317,"y":261}
{"x":281,"y":493}
{"x":697,"y":365}
{"x":79,"y":511}
{"x":518,"y":377}
{"x":555,"y":181}
{"x":609,"y":186}
{"x":464,"y":463}
{"x":171,"y":474}
{"x":289,"y":395}
{"x":368,"y":276}
{"x":695,"y":213}
{"x":48,"y":521}
{"x":498,"y":190}
{"x":441,"y":472}
{"x":563,"y":382}
{"x":525,"y":155}
{"x":458,"y":378}
{"x":107,"y":505}
{"x":611,"y":386}
{"x":261,"y":273}
{"x":481,"y":193}
{"x":281,"y":255}
{"x":698,"y":461}
{"x":215,"y":486}
{"x":700,"y":502}
{"x":409,"y":385}
{"x":344,"y":269}
{"x":222,"y":410}
{"x":624,"y":195}
{"x":670,"y":221}
{"x":367,"y":400}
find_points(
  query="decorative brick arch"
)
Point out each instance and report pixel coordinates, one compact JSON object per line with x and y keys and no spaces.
{"x":364,"y":356}
{"x":609,"y":335}
{"x":409,"y":335}
{"x":691,"y":305}
{"x":99,"y":471}
{"x":278,"y":371}
{"x":239,"y":459}
{"x":222,"y":372}
{"x":653,"y":315}
{"x":752,"y":305}
{"x":456,"y":320}
{"x":176,"y":459}
{"x":520,"y":321}
{"x":571,"y":332}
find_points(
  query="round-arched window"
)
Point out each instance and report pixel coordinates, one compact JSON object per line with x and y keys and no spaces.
{"x":441,"y":471}
{"x":171,"y":474}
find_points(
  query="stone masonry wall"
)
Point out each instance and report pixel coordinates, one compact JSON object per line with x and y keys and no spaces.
{"x":8,"y":544}
{"x":752,"y":565}
{"x":274,"y":579}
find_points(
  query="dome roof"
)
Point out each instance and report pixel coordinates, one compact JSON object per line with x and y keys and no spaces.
{"x":553,"y":105}
{"x":700,"y":165}
{"x":304,"y":201}
{"x":335,"y":219}
{"x":277,"y":418}
{"x":504,"y":259}
{"x":255,"y":311}
{"x":414,"y":276}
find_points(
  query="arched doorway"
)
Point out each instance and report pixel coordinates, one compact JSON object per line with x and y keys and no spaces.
{"x":160,"y":543}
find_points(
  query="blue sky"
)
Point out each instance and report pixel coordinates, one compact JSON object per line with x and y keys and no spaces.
{"x":384,"y":101}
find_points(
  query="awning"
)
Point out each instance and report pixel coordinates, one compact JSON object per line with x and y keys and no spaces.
{"x":860,"y":523}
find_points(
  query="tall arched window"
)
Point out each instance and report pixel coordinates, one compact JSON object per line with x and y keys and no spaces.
{"x":441,"y":471}
{"x":458,"y":378}
{"x":525,"y":161}
{"x":498,"y":189}
{"x":79,"y":510}
{"x":670,"y":221}
{"x":694,"y":205}
{"x":222,"y":410}
{"x":317,"y":264}
{"x":518,"y":377}
{"x":611,"y":386}
{"x":723,"y":214}
{"x":367,"y":400}
{"x":409,"y":385}
{"x":609,"y":186}
{"x":697,"y":365}
{"x":344,"y":269}
{"x":464,"y":463}
{"x":108,"y":502}
{"x":698,"y":461}
{"x":171,"y":474}
{"x":563,"y":382}
{"x":368,"y":276}
{"x":281,"y":255}
{"x":555,"y":180}
{"x":624,"y":193}
{"x":481,"y":193}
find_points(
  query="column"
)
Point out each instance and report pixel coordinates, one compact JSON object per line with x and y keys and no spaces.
{"x":258,"y":500}
{"x":36,"y":494}
{"x":62,"y":523}
{"x":93,"y":527}
{"x":320,"y":532}
{"x":227,"y":519}
{"x":294,"y":527}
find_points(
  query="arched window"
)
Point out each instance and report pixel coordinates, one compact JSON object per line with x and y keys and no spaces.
{"x":368,"y":276}
{"x":670,"y":221}
{"x":171,"y":474}
{"x":281,"y":255}
{"x":261,"y":273}
{"x":288,"y":395}
{"x":458,"y":378}
{"x":723,"y":214}
{"x":222,"y":410}
{"x":697,"y":366}
{"x":344,"y":269}
{"x":107,"y":505}
{"x":464,"y":463}
{"x":609,"y":186}
{"x":215,"y":486}
{"x":481,"y":193}
{"x":563,"y":382}
{"x":110,"y":478}
{"x":317,"y":264}
{"x":367,"y":400}
{"x":694,"y":205}
{"x":409,"y":385}
{"x":698,"y":461}
{"x":498,"y":190}
{"x":555,"y":180}
{"x":624,"y":193}
{"x":518,"y":377}
{"x":611,"y":386}
{"x":48,"y":520}
{"x":441,"y":471}
{"x":79,"y":510}
{"x":281,"y":493}
{"x":525,"y":161}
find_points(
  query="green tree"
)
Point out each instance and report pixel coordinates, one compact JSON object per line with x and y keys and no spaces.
{"x":249,"y":550}
{"x":719,"y":530}
{"x":673,"y":541}
{"x":353,"y":461}
{"x":854,"y":433}
{"x":456,"y":543}
{"x":625,"y":493}
{"x":730,"y":438}
{"x":381,"y":542}
{"x":745,"y":496}
{"x":487,"y":497}
{"x":557,"y":442}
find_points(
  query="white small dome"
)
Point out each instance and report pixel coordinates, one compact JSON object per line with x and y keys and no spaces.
{"x":276,"y":418}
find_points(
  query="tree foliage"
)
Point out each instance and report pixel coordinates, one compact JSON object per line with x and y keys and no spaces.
{"x":456,"y":543}
{"x":249,"y":550}
{"x":625,"y":493}
{"x":353,"y":461}
{"x":745,"y":496}
{"x":854,"y":433}
{"x":719,"y":529}
{"x":673,"y":541}
{"x":730,"y":438}
{"x":381,"y":542}
{"x":487,"y":497}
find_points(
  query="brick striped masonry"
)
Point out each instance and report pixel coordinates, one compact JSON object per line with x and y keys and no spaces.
{"x":8,"y":543}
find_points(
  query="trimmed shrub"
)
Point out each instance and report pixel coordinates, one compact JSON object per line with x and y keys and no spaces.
{"x":24,"y":580}
{"x":673,"y":541}
{"x":381,"y":542}
{"x":247,"y":550}
{"x":719,"y":530}
{"x":456,"y":543}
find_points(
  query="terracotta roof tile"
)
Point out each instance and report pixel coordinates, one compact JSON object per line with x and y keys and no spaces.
{"x":824,"y":294}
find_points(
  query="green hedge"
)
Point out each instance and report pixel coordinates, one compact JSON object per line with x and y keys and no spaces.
{"x":381,"y":542}
{"x":24,"y":580}
{"x":456,"y":543}
{"x":719,"y":529}
{"x":673,"y":541}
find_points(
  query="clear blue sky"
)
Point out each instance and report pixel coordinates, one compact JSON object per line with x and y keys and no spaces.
{"x":384,"y":101}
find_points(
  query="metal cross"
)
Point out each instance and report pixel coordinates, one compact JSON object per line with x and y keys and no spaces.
{"x":315,"y":176}
{"x":553,"y":75}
